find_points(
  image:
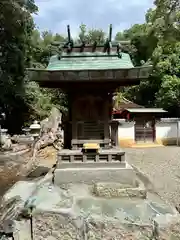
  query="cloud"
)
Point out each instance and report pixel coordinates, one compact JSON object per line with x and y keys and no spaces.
{"x":54,"y":15}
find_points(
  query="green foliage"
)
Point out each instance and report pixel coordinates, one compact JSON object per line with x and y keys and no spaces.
{"x":169,"y":93}
{"x":23,"y":46}
{"x":16,"y":25}
{"x":167,"y":68}
{"x":40,"y":100}
{"x":120,"y":36}
{"x":41,"y":47}
{"x":166,"y":20}
{"x":142,"y":40}
{"x":91,"y":35}
{"x":158,"y":41}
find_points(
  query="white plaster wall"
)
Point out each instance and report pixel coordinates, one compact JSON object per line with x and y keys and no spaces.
{"x":166,"y":130}
{"x":126,"y":130}
{"x":163,"y":130}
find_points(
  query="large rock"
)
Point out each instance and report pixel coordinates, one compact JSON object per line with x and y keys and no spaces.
{"x":49,"y":134}
{"x":52,"y":122}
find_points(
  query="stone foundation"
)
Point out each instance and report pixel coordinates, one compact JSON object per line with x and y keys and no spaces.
{"x":124,"y":175}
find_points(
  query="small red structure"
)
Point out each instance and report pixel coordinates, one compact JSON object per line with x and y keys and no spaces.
{"x":120,"y":107}
{"x":144,"y":119}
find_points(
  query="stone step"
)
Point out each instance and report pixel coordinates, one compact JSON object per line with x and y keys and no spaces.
{"x":146,"y":145}
{"x":124,"y":175}
{"x":102,"y":164}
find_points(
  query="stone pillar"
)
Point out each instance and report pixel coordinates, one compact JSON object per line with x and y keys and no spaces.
{"x":178,"y":129}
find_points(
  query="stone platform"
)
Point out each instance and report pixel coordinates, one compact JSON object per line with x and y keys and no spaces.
{"x":112,"y":157}
{"x":108,"y":165}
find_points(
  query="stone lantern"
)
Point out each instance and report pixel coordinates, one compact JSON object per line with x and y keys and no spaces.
{"x":3,"y":136}
{"x":26,"y":131}
{"x":35,"y":129}
{"x":9,"y":227}
{"x":3,"y":132}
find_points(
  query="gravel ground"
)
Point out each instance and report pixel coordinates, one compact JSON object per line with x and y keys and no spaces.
{"x":48,"y":226}
{"x":162,"y":166}
{"x":53,"y":227}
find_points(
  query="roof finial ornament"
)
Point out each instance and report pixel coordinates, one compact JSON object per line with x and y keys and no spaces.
{"x":108,"y":43}
{"x":110,"y":39}
{"x":110,"y":33}
{"x":70,"y":43}
{"x":69,"y":33}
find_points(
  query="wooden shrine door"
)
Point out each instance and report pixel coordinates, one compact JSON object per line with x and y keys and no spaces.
{"x":144,"y":130}
{"x":90,"y":118}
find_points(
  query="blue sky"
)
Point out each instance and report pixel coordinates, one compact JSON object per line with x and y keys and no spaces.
{"x":54,"y":15}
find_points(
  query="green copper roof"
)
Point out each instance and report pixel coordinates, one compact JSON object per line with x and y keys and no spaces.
{"x":89,"y":61}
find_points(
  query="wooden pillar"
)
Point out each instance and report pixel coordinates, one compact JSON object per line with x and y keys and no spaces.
{"x":74,"y":125}
{"x":67,"y":125}
{"x":114,"y":132}
{"x":106,"y":122}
